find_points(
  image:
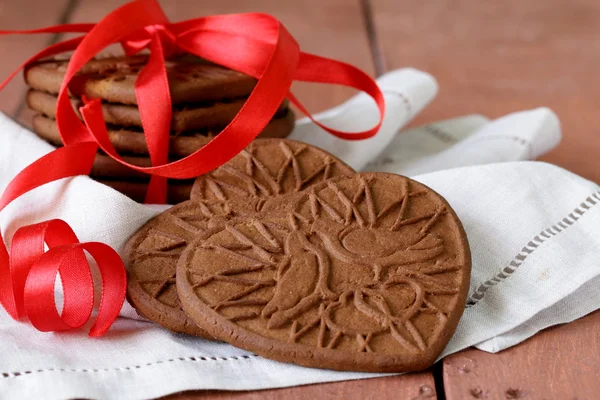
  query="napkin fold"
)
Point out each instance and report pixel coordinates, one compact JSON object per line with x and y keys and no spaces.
{"x":533,"y":228}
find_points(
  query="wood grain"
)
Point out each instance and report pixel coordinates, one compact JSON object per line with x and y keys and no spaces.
{"x":559,"y":363}
{"x":496,"y":57}
{"x":411,"y":386}
{"x":16,"y":49}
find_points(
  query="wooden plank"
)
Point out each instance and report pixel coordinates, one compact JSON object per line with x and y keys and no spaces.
{"x":334,"y":29}
{"x":559,"y":363}
{"x":494,"y":58}
{"x":18,"y":48}
{"x":411,"y":386}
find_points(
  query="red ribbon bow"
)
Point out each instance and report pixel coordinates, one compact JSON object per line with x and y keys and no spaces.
{"x":255,"y":44}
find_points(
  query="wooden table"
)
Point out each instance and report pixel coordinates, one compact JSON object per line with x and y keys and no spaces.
{"x":489,"y":57}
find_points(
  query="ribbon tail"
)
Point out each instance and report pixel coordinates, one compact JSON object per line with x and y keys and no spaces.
{"x":337,"y":133}
{"x":313,"y":68}
{"x":253,"y":46}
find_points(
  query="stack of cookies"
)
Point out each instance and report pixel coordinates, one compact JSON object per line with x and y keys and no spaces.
{"x":205,"y":99}
{"x":287,"y":252}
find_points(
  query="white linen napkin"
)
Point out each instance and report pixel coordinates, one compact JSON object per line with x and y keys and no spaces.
{"x":533,"y":228}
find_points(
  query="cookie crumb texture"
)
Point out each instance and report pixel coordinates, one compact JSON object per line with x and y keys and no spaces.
{"x":362,"y":273}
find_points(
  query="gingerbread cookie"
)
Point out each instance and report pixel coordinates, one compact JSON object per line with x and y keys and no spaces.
{"x":191,"y":117}
{"x":191,"y":79}
{"x":361,"y":273}
{"x":182,"y":220}
{"x":133,"y":142}
{"x":268,"y":168}
{"x":151,"y":255}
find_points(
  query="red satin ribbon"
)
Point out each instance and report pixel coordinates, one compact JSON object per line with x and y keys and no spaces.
{"x":255,"y":44}
{"x":34,"y":272}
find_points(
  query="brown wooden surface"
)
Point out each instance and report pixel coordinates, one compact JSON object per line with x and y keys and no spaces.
{"x":18,"y":48}
{"x":559,"y":363}
{"x":496,"y":57}
{"x":411,"y":386}
{"x":490,"y":58}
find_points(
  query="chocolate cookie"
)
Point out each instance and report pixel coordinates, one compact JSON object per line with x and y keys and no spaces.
{"x":191,"y":117}
{"x":163,"y":259}
{"x":266,"y":169}
{"x":361,"y":273}
{"x":151,"y":256}
{"x":133,"y":142}
{"x":191,"y":79}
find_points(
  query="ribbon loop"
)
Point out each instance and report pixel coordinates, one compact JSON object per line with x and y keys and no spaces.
{"x":31,"y":291}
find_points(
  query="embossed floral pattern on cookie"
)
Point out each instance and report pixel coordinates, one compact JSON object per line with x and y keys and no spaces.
{"x":365,"y":273}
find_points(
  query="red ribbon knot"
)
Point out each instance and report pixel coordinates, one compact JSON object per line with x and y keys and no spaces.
{"x":167,"y":38}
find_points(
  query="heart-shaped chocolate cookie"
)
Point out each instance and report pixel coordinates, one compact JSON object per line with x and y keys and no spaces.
{"x":266,"y":170}
{"x":363,"y":273}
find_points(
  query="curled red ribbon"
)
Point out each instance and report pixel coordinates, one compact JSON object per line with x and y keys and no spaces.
{"x":34,"y":272}
{"x":255,"y":44}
